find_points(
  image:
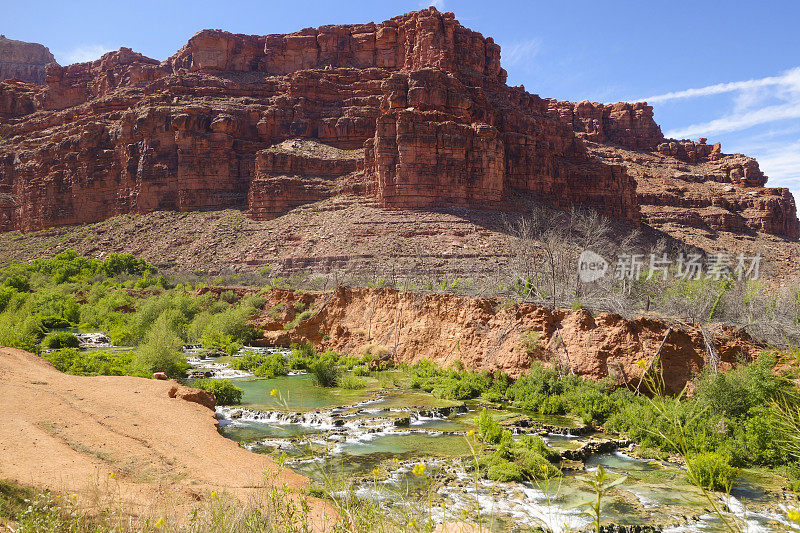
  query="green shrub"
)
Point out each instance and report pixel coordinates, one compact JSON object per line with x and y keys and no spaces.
{"x":28,"y":334}
{"x":499,"y":469}
{"x":161,"y":351}
{"x":53,"y":302}
{"x":489,"y":429}
{"x":92,"y":363}
{"x":534,"y":465}
{"x":349,"y":381}
{"x":6,"y":294}
{"x":325,"y":370}
{"x":223,"y":390}
{"x":711,"y":471}
{"x":361,"y":370}
{"x":537,"y":445}
{"x":299,"y":317}
{"x":301,"y":356}
{"x":55,"y":322}
{"x":263,"y":366}
{"x":532,"y":342}
{"x":19,"y":282}
{"x":60,"y":339}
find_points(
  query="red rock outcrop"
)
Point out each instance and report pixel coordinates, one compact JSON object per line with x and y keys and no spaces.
{"x":627,"y":124}
{"x":417,"y":107}
{"x":694,"y":185}
{"x":23,"y":61}
{"x":488,"y":334}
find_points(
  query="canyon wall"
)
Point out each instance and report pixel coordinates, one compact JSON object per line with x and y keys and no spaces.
{"x":417,"y":107}
{"x":23,"y":61}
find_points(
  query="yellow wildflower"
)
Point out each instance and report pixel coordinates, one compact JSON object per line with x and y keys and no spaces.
{"x":214,"y":494}
{"x":471,"y":432}
{"x":641,"y":363}
{"x":375,"y":471}
{"x":419,"y":469}
{"x":160,"y":523}
{"x":273,"y":392}
{"x":793,"y":514}
{"x":112,"y":475}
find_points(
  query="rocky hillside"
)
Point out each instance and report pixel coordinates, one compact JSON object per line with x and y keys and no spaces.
{"x":23,"y":61}
{"x":413,"y":112}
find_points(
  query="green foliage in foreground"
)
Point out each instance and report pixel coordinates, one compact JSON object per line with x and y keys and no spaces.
{"x":711,"y":471}
{"x":526,"y":459}
{"x":60,"y":339}
{"x":731,"y":417}
{"x":93,"y":363}
{"x":326,"y":370}
{"x":224,"y":391}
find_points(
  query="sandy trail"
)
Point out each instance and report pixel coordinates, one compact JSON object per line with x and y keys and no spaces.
{"x":127,"y":438}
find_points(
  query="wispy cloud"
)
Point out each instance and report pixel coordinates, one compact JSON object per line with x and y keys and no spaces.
{"x":738,"y":121}
{"x":438,"y":4}
{"x":755,"y":102}
{"x":782,"y":164}
{"x":82,"y":54}
{"x":519,"y":52}
{"x":788,"y":78}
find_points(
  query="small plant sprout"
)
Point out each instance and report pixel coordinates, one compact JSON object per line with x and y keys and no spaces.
{"x":601,"y":484}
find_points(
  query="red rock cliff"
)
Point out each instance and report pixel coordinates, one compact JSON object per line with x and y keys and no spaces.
{"x":23,"y":61}
{"x":417,"y":107}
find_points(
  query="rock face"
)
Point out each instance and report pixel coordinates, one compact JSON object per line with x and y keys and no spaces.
{"x":488,"y":334}
{"x":413,"y":112}
{"x":685,"y":184}
{"x":23,"y":61}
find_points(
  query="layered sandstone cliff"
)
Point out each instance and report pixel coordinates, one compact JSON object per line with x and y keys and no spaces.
{"x":23,"y":61}
{"x":413,"y":112}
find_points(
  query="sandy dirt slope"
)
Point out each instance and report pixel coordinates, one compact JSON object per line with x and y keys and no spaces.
{"x":125,"y":436}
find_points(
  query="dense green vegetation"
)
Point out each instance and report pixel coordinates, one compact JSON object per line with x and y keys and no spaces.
{"x":224,"y":391}
{"x":728,"y":423}
{"x":506,"y":459}
{"x":43,"y":302}
{"x":262,"y":366}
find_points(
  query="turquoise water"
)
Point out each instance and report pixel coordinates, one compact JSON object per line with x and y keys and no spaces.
{"x":295,"y":393}
{"x":349,"y":433}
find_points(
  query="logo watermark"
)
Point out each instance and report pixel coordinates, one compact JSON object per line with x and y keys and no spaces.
{"x":592,"y":266}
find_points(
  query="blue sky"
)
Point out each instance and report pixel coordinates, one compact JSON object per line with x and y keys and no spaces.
{"x":726,"y":70}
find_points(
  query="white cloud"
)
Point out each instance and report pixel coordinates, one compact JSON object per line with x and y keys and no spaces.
{"x":789,"y":78}
{"x":438,"y":4}
{"x":782,"y":164}
{"x":519,"y":52}
{"x":82,"y":54}
{"x":738,"y":121}
{"x":755,"y":102}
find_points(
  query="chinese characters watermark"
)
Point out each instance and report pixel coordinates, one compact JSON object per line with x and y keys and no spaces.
{"x":718,"y":266}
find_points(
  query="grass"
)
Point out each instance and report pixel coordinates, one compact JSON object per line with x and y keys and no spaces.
{"x":273,"y":508}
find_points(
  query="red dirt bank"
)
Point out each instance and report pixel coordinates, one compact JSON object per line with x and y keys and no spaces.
{"x":488,"y":334}
{"x":69,"y":434}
